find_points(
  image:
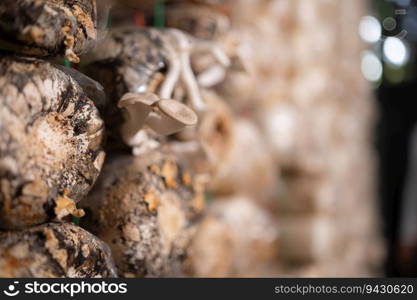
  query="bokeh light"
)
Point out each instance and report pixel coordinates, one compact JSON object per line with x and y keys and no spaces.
{"x":370,"y":29}
{"x":395,"y":52}
{"x":371,"y":66}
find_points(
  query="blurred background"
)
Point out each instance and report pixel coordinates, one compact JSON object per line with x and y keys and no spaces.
{"x":389,"y":65}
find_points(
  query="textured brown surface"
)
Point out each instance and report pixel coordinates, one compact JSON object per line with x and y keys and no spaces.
{"x":54,"y":250}
{"x":50,"y":141}
{"x":129,"y":60}
{"x":198,"y":20}
{"x":144,"y":208}
{"x":236,"y":237}
{"x":48,"y":27}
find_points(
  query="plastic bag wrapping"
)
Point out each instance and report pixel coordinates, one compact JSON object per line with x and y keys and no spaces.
{"x":49,"y":28}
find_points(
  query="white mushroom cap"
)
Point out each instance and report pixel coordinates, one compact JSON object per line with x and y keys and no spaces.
{"x":146,"y":99}
{"x":136,"y":108}
{"x":171,"y":116}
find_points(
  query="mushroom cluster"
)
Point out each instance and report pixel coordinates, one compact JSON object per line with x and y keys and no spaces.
{"x":180,"y":47}
{"x":144,"y":70}
{"x":163,"y":116}
{"x":153,"y":60}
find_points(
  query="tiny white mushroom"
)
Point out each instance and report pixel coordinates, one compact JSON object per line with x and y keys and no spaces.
{"x":170,"y":117}
{"x":136,"y":108}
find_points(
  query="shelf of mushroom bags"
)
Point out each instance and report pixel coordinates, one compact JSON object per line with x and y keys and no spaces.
{"x":50,"y":142}
{"x":158,"y":139}
{"x":117,"y":158}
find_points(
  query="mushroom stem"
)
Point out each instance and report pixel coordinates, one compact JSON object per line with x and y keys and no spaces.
{"x":172,"y":77}
{"x":220,"y":56}
{"x":214,"y":75}
{"x":136,"y":108}
{"x":143,"y":143}
{"x":190,"y":82}
{"x":187,"y":76}
{"x":215,"y":50}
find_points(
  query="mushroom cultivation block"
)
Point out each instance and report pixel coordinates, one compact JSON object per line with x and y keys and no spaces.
{"x":192,"y":138}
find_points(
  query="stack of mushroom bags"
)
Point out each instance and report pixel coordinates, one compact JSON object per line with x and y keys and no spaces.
{"x":315,"y":110}
{"x":50,"y":141}
{"x":57,"y":124}
{"x":320,"y":129}
{"x":302,"y":97}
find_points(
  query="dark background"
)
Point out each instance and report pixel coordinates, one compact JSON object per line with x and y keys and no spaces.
{"x":397,"y":103}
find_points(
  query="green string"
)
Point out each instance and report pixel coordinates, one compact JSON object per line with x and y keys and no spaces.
{"x":208,"y":197}
{"x":67,"y":63}
{"x":109,"y":22}
{"x":159,"y":14}
{"x":75,"y":221}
